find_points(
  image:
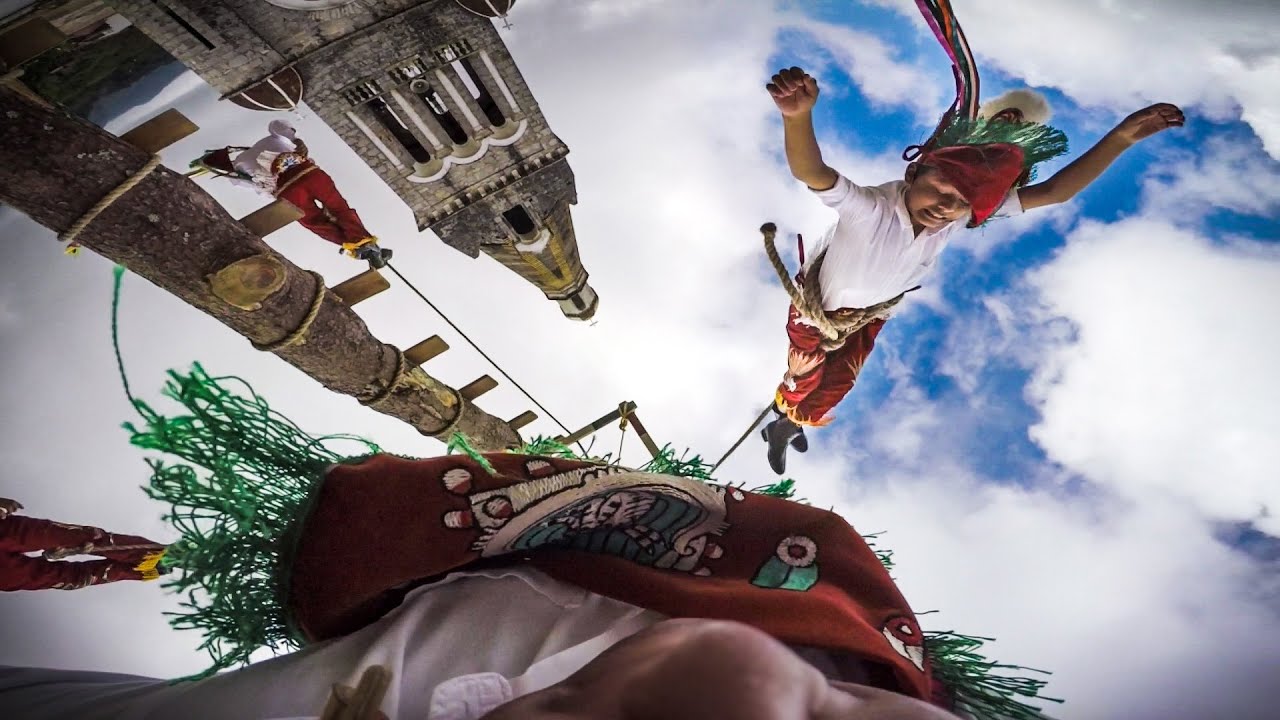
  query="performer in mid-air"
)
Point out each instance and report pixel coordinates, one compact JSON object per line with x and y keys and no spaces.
{"x":124,"y":557}
{"x":886,"y":238}
{"x":279,"y":165}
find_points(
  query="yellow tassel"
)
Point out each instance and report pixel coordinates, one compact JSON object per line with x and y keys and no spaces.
{"x":72,"y":250}
{"x":149,"y":565}
{"x":351,"y":248}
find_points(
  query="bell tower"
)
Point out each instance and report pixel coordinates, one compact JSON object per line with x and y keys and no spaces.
{"x":428,"y":96}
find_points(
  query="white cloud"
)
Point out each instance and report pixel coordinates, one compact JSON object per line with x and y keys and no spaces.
{"x":1225,"y":173}
{"x":881,"y":73}
{"x":1169,"y":384}
{"x":1222,"y":57}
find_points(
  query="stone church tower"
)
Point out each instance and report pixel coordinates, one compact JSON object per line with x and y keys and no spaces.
{"x":424,"y":91}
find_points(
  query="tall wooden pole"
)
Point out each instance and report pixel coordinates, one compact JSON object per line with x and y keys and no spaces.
{"x":54,"y":167}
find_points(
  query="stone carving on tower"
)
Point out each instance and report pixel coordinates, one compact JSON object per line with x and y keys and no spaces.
{"x":425,"y":92}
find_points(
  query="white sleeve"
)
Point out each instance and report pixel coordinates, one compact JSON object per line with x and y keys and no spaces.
{"x":850,"y":200}
{"x":251,"y":185}
{"x":247,"y":161}
{"x":1011,"y":206}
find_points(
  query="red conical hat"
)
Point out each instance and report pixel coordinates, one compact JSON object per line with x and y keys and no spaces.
{"x":984,"y":174}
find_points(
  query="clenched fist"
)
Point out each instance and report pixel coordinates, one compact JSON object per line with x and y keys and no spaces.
{"x":794,"y":91}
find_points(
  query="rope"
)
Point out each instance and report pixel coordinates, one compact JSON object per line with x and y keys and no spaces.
{"x":622,"y":425}
{"x":402,"y":366}
{"x":816,"y":316}
{"x":91,"y":549}
{"x":837,"y":326}
{"x":118,"y":276}
{"x":70,"y":234}
{"x":753,"y":425}
{"x":296,"y":336}
{"x":402,"y":372}
{"x":457,"y":417}
{"x":483,"y":354}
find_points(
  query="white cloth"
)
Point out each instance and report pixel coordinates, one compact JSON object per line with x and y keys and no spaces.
{"x":873,"y":253}
{"x":256,"y":161}
{"x":456,"y":650}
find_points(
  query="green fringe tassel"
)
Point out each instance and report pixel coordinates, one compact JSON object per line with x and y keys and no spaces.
{"x":234,"y":520}
{"x":547,"y":447}
{"x":666,"y":463}
{"x":1038,"y":142}
{"x":885,"y":556}
{"x":977,"y":690}
{"x":458,"y":443}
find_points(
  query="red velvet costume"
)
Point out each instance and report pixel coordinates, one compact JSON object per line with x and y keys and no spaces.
{"x":324,"y":211}
{"x":20,"y":535}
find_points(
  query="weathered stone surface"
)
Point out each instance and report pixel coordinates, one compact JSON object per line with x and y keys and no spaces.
{"x":233,"y":44}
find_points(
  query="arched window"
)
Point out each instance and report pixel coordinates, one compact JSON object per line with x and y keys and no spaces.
{"x":519,"y":220}
{"x":399,"y":130}
{"x":476,"y":87}
{"x":439,"y":111}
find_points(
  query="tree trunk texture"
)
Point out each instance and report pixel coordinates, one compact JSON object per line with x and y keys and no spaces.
{"x":55,"y":167}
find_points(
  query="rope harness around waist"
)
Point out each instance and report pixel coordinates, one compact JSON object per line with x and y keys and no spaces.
{"x":837,"y":326}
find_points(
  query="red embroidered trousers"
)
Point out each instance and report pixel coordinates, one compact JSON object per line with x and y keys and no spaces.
{"x":18,"y":571}
{"x":324,"y":211}
{"x":817,"y":380}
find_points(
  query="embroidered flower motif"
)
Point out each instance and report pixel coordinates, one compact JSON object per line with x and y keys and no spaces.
{"x":797,"y":551}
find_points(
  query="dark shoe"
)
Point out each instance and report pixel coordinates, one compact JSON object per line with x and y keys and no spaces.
{"x":376,"y":257}
{"x":779,"y":435}
{"x":800,"y":442}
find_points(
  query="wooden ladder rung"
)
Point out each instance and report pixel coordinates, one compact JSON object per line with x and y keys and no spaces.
{"x":522,"y":419}
{"x":270,"y":218}
{"x":478,"y":387}
{"x":425,"y":350}
{"x":160,"y":131}
{"x":28,"y":39}
{"x":361,"y":287}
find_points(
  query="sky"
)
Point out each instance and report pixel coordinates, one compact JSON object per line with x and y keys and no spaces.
{"x":1067,"y":437}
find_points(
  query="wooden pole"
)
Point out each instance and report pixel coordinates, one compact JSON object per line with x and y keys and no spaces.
{"x":55,"y":167}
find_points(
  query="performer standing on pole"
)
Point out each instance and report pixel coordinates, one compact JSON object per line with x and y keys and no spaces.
{"x":279,"y":165}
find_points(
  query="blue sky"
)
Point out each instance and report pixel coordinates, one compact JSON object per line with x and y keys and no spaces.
{"x":997,"y":443}
{"x":1064,"y":434}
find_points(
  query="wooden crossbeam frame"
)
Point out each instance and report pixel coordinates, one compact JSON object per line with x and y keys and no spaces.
{"x":477,"y":387}
{"x":271,"y":217}
{"x":627,"y":411}
{"x":361,"y":287}
{"x":422,"y":352}
{"x":522,"y":420}
{"x":28,"y":39}
{"x":160,"y":131}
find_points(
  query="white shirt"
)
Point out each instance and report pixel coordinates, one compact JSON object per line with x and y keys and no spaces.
{"x":256,"y":161}
{"x":873,"y":253}
{"x":456,"y":649}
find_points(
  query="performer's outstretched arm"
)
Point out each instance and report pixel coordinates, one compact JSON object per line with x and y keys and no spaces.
{"x":1085,"y":169}
{"x":795,"y":92}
